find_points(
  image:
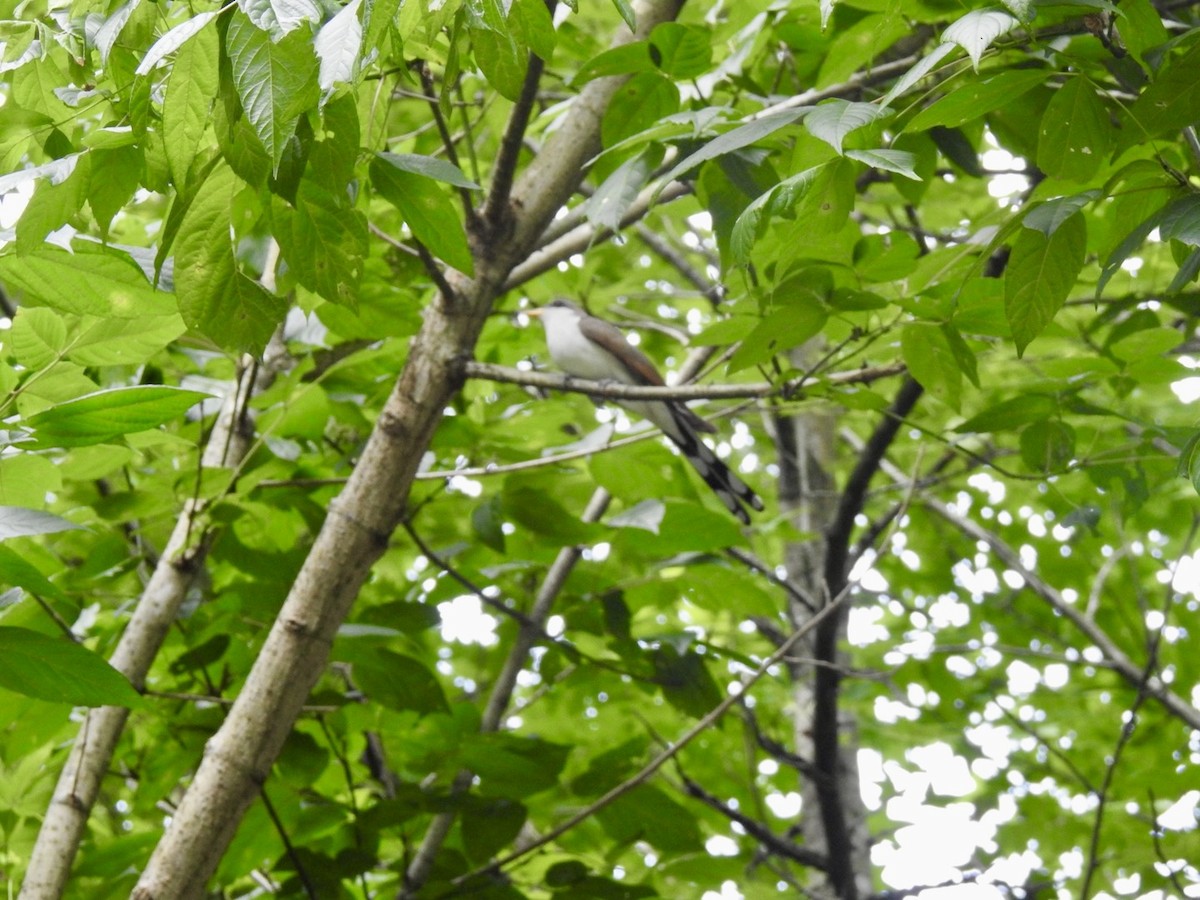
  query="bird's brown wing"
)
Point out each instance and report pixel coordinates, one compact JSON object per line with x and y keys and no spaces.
{"x":635,"y":362}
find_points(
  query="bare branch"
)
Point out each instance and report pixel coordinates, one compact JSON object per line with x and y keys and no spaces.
{"x":585,"y":235}
{"x":614,"y":391}
{"x":1121,"y":663}
{"x":496,"y":210}
{"x":769,"y":840}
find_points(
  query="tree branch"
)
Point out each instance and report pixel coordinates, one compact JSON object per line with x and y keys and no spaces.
{"x":585,"y":235}
{"x":666,"y":755}
{"x":435,"y":110}
{"x":91,"y":754}
{"x":615,"y":391}
{"x":826,"y":750}
{"x":496,"y":210}
{"x":757,"y":830}
{"x":1121,"y":663}
{"x":532,"y":627}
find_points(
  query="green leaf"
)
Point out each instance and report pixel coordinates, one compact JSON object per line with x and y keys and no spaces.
{"x":932,"y":361}
{"x":56,"y":199}
{"x":115,"y":175}
{"x":1189,"y":461}
{"x":38,"y":337}
{"x":173,"y":40}
{"x":489,"y":825}
{"x":1181,"y":221}
{"x":110,"y":138}
{"x":123,"y":342}
{"x":832,"y":120}
{"x":627,"y":14}
{"x":977,"y":30}
{"x":513,"y":766}
{"x":977,"y":98}
{"x":647,"y":814}
{"x":200,"y":657}
{"x":1046,"y":217}
{"x":608,"y":205}
{"x":19,"y":572}
{"x":280,"y":17}
{"x":487,"y":523}
{"x":749,"y":225}
{"x":60,"y":671}
{"x":426,"y":209}
{"x":641,"y":102}
{"x":187,"y":107}
{"x":917,"y":72}
{"x":91,"y":279}
{"x":430,"y":167}
{"x":532,"y":19}
{"x":214,"y":297}
{"x":17,"y":521}
{"x":624,"y":59}
{"x":740,"y":137}
{"x":1048,"y":446}
{"x":324,"y":241}
{"x":1141,"y":27}
{"x":565,"y":874}
{"x":106,"y":35}
{"x":500,"y":50}
{"x":338,"y":45}
{"x":1041,"y":273}
{"x":899,"y":161}
{"x":276,"y":81}
{"x":107,"y":414}
{"x":543,"y":515}
{"x":685,"y":681}
{"x":1075,"y":136}
{"x":682,"y":51}
{"x":400,"y":682}
{"x":1011,"y":414}
{"x":786,"y":326}
{"x":1171,"y":102}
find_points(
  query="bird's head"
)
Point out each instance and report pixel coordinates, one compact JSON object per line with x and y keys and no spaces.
{"x":557,"y":310}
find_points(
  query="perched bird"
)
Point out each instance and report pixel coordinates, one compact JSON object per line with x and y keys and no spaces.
{"x":587,"y":347}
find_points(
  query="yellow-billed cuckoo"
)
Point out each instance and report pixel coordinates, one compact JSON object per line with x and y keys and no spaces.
{"x":587,"y":347}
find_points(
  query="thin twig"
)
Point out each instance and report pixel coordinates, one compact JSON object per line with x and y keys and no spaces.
{"x":310,"y":889}
{"x":754,"y":828}
{"x":435,"y":108}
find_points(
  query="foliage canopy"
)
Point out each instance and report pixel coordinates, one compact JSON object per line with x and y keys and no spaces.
{"x":272,"y":433}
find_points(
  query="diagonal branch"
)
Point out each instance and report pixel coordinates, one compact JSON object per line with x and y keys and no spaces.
{"x":496,"y":210}
{"x":532,"y":627}
{"x":90,"y":756}
{"x":767,"y":838}
{"x":1133,"y":674}
{"x":837,"y":535}
{"x":579,"y":238}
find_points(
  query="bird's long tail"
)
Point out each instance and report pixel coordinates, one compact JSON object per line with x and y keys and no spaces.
{"x":734,"y":492}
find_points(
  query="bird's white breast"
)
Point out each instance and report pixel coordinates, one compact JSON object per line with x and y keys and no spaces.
{"x":576,"y":355}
